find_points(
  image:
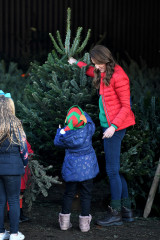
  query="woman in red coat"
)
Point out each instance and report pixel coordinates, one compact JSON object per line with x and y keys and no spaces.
{"x":115,"y":116}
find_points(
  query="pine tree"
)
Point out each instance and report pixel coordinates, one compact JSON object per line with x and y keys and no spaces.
{"x":13,"y":80}
{"x":55,"y":87}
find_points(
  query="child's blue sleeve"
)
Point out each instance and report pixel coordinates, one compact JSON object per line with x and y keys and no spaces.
{"x":58,"y":139}
{"x":71,"y":139}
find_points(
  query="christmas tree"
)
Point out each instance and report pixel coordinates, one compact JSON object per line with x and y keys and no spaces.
{"x":55,"y":87}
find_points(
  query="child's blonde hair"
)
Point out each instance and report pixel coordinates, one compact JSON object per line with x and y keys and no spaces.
{"x":10,"y":125}
{"x":11,"y":105}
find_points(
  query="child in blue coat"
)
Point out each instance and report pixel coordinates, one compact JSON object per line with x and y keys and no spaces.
{"x":80,"y":165}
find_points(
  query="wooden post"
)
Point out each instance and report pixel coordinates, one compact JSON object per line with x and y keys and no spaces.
{"x":152,"y":192}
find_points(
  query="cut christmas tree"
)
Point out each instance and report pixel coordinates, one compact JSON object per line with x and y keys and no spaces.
{"x":56,"y":86}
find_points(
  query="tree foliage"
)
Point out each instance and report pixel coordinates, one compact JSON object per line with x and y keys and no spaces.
{"x":55,"y":86}
{"x":38,"y":181}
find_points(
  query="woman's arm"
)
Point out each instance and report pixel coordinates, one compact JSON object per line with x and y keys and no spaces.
{"x":90,"y":70}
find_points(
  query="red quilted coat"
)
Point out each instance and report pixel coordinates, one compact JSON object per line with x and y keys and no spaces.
{"x":24,"y":178}
{"x":115,"y":97}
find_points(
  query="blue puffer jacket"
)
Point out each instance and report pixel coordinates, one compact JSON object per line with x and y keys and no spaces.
{"x":13,"y":158}
{"x":80,"y":162}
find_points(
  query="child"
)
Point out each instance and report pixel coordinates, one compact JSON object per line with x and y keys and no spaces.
{"x":80,"y":165}
{"x":24,"y":180}
{"x":13,"y":160}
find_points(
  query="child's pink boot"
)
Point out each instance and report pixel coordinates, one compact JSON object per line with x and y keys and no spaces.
{"x":84,"y":223}
{"x":64,"y":221}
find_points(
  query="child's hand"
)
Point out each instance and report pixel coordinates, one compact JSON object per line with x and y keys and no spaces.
{"x":59,"y":125}
{"x":72,"y":60}
{"x":62,"y":131}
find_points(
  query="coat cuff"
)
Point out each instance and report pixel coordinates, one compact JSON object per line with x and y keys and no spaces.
{"x":114,"y":126}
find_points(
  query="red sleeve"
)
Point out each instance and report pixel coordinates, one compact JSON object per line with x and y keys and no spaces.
{"x":29,"y":147}
{"x":90,"y":70}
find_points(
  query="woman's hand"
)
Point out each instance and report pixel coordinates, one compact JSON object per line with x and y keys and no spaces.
{"x":109,"y":132}
{"x":72,"y":60}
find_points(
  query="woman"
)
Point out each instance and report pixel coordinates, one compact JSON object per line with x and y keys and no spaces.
{"x":115,"y":116}
{"x":13,"y":159}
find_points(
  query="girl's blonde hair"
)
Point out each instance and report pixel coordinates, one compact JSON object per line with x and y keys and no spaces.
{"x":10,"y":125}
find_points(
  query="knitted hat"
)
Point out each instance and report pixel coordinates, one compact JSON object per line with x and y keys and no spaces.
{"x":75,"y":118}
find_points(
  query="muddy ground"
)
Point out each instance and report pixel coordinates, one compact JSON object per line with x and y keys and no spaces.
{"x":44,"y":221}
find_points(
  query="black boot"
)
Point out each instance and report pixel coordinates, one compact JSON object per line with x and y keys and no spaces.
{"x":23,"y":218}
{"x":113,"y":217}
{"x":127,"y":214}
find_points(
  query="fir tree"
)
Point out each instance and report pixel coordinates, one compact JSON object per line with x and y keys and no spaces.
{"x":13,"y":80}
{"x":55,"y":87}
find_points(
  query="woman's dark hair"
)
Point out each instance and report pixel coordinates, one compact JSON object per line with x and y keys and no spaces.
{"x":102,"y":55}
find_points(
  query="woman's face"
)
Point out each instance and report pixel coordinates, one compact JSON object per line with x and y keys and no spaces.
{"x":101,"y":67}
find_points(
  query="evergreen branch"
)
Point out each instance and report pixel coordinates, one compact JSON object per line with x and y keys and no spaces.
{"x":38,"y":182}
{"x":83,"y":77}
{"x":51,"y":57}
{"x":76,"y":42}
{"x":37,"y":87}
{"x":86,"y":58}
{"x":60,"y":40}
{"x":56,"y":45}
{"x":25,"y":109}
{"x":35,"y":67}
{"x":68,"y":19}
{"x":65,"y":85}
{"x":68,"y":33}
{"x":75,"y":85}
{"x":84,"y":42}
{"x":54,"y":78}
{"x":67,"y":42}
{"x":55,"y":88}
{"x":37,"y":98}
